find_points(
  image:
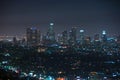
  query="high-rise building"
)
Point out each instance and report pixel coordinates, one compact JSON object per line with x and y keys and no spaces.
{"x":44,"y":40}
{"x":96,"y":37}
{"x":87,"y":40}
{"x":59,"y":39}
{"x":14,"y":40}
{"x":50,"y":33}
{"x":104,"y":36}
{"x":81,"y":36}
{"x":33,"y":36}
{"x":73,"y":36}
{"x":65,"y":37}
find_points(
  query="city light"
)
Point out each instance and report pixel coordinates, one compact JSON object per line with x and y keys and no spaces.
{"x":51,"y":24}
{"x":59,"y":40}
{"x":104,"y":32}
{"x":81,"y":31}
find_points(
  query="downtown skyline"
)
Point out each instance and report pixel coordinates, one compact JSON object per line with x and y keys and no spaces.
{"x":92,"y":16}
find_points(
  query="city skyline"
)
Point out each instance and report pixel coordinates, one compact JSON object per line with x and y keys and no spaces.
{"x":92,"y":16}
{"x":57,"y":35}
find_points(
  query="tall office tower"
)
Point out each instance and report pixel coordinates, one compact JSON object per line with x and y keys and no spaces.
{"x":72,"y":36}
{"x":14,"y":39}
{"x":87,"y":40}
{"x":59,"y":39}
{"x":81,"y":36}
{"x":96,"y":37}
{"x":33,"y":36}
{"x":51,"y":33}
{"x":65,"y":37}
{"x":43,"y":39}
{"x":104,"y":36}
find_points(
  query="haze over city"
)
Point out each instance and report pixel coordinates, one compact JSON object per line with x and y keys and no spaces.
{"x":91,"y":15}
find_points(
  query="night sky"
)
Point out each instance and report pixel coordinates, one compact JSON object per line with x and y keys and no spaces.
{"x":91,"y":15}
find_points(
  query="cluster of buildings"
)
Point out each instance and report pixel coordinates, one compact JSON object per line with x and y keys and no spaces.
{"x":80,"y":52}
{"x":34,"y":37}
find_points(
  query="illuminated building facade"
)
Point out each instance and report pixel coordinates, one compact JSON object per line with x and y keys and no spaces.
{"x":81,"y":36}
{"x":72,"y":36}
{"x":65,"y":37}
{"x":50,"y":33}
{"x":33,"y":36}
{"x":104,"y":36}
{"x":96,"y":37}
{"x":87,"y":40}
{"x":59,"y":39}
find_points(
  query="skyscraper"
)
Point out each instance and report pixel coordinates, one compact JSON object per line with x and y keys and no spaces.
{"x":104,"y":36}
{"x":65,"y":37}
{"x":50,"y":33}
{"x":81,"y":36}
{"x":33,"y":36}
{"x":87,"y":39}
{"x":72,"y":36}
{"x":96,"y":37}
{"x":59,"y":39}
{"x":14,"y":40}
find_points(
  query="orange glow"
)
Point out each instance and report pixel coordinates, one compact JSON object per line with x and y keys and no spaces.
{"x":60,"y":79}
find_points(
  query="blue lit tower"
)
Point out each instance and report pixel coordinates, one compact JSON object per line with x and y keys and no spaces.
{"x":72,"y":36}
{"x":104,"y":36}
{"x":33,"y":36}
{"x":51,"y":33}
{"x":81,"y":36}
